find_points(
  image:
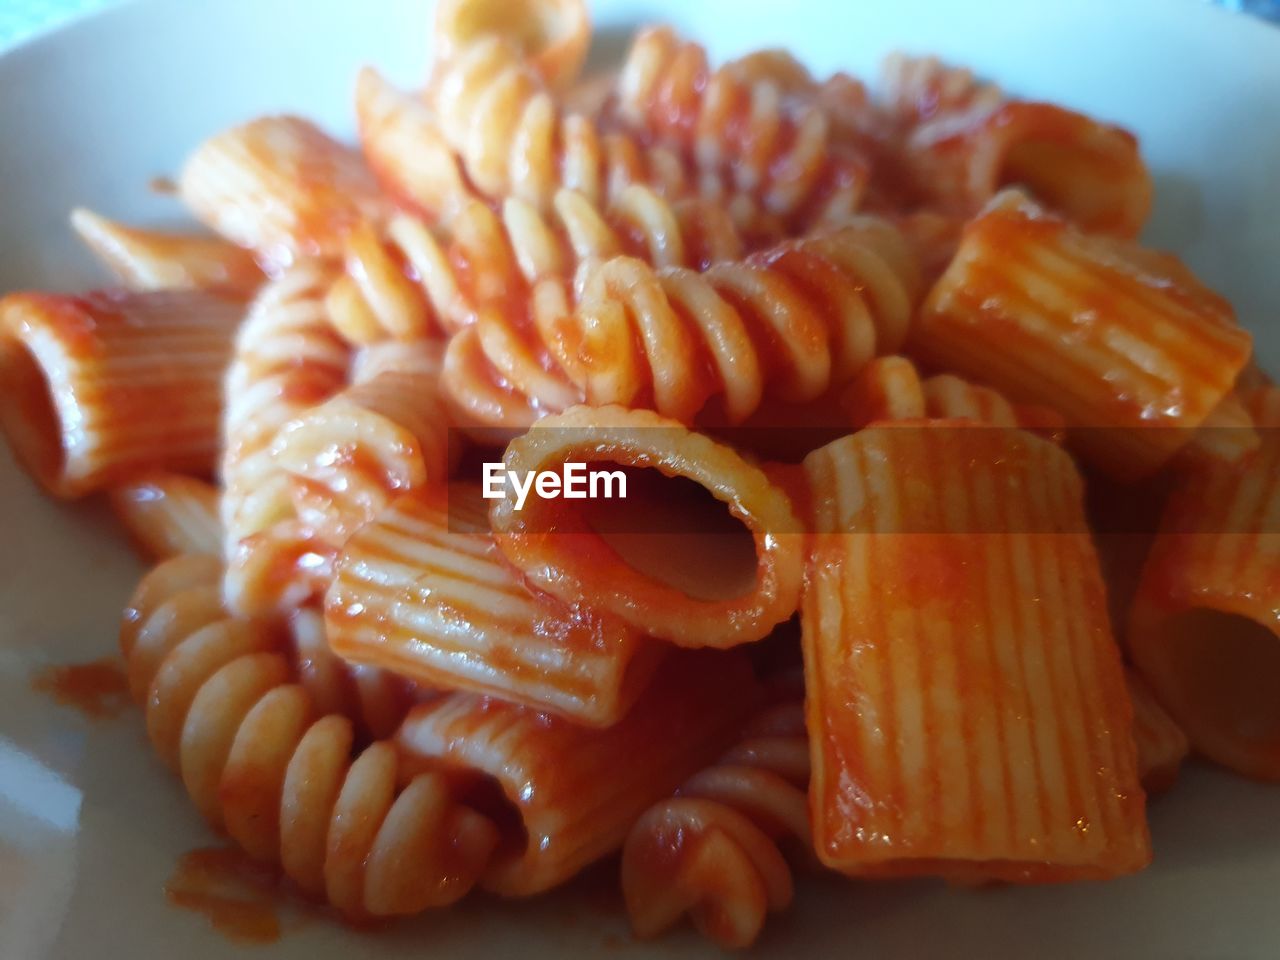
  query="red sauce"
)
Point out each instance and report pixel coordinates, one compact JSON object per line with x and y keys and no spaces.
{"x":97,"y":689}
{"x":238,"y":896}
{"x":165,"y":186}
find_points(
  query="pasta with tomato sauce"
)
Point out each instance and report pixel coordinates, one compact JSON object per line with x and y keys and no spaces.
{"x":857,"y":370}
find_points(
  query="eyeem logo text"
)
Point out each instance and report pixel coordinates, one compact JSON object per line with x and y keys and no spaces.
{"x":575,"y":483}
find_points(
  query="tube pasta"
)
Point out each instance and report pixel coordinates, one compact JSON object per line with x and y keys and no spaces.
{"x":512,"y":139}
{"x":1157,"y":354}
{"x":424,"y":591}
{"x":287,"y":360}
{"x":1202,"y":630}
{"x":168,"y":514}
{"x":712,"y":850}
{"x":797,"y":319}
{"x":736,"y":125}
{"x":280,"y":186}
{"x":107,"y":384}
{"x":1160,"y":742}
{"x":562,"y":814}
{"x":556,"y":548}
{"x":226,"y":707}
{"x":147,"y":260}
{"x":990,"y":660}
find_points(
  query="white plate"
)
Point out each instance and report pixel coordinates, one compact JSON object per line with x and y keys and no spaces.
{"x":91,"y":826}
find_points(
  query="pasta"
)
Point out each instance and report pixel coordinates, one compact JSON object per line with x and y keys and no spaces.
{"x":226,"y":708}
{"x":1160,"y":742}
{"x":991,"y":659}
{"x":547,"y":771}
{"x":559,"y":551}
{"x":287,"y":360}
{"x":672,"y":461}
{"x":168,"y":514}
{"x":552,"y":35}
{"x":1203,"y":628}
{"x":405,"y":149}
{"x":109,"y":383}
{"x":497,"y":114}
{"x":960,"y":142}
{"x":891,"y":388}
{"x":796,"y":318}
{"x":280,"y":186}
{"x":150,"y":260}
{"x":712,"y":850}
{"x":1156,"y":354}
{"x":739,"y":131}
{"x":411,"y":281}
{"x":472,"y":623}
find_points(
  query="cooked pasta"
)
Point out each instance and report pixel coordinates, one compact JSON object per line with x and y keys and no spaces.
{"x":1160,"y":742}
{"x":1203,"y":631}
{"x":287,"y":360}
{"x":558,"y":549}
{"x":104,"y":385}
{"x":891,"y":388}
{"x":152,"y":260}
{"x":412,"y":280}
{"x":168,"y":514}
{"x":513,"y":140}
{"x":959,"y":141}
{"x":386,"y":434}
{"x":554,"y":811}
{"x":425,"y":592}
{"x":797,"y":319}
{"x":1125,"y":344}
{"x":404,"y":147}
{"x":673,"y":461}
{"x":280,"y":186}
{"x":226,"y":707}
{"x":738,"y":128}
{"x":990,"y":659}
{"x":713,"y":850}
{"x":552,"y":35}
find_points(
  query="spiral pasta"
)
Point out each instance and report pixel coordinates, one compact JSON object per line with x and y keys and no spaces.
{"x":891,"y":388}
{"x":287,"y":360}
{"x":227,"y":707}
{"x":738,"y":127}
{"x":712,"y":850}
{"x":385,"y":434}
{"x":513,"y":140}
{"x":412,"y":280}
{"x":796,"y":319}
{"x":551,"y":34}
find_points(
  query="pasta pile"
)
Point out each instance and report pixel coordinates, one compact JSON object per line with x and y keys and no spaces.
{"x":397,"y":691}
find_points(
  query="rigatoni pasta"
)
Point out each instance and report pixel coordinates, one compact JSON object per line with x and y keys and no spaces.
{"x":109,"y":383}
{"x":425,"y":592}
{"x":1126,"y":345}
{"x":1203,"y":628}
{"x":990,"y":658}
{"x":559,"y":551}
{"x":168,"y":514}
